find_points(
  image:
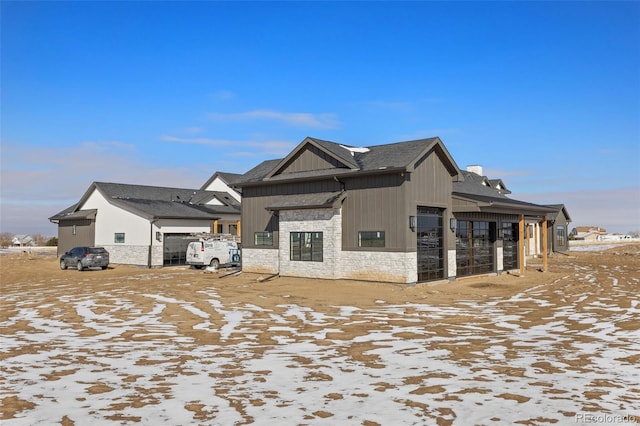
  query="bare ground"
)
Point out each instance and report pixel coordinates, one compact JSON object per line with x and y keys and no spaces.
{"x":178,"y":346}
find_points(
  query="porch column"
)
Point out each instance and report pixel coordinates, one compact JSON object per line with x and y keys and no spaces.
{"x":544,"y":244}
{"x":215,"y":227}
{"x":521,"y":243}
{"x":238,"y":228}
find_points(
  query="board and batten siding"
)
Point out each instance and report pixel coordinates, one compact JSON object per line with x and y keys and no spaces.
{"x":375,"y":203}
{"x":256,"y":199}
{"x":84,"y":234}
{"x":310,"y":158}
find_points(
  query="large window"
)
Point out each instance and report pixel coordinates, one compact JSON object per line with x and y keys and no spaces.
{"x":371,"y":239}
{"x":263,"y":238}
{"x":561,"y":238}
{"x":474,"y":247}
{"x":306,"y":246}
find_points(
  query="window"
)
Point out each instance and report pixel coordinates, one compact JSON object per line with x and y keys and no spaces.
{"x":306,"y":246}
{"x":118,"y":238}
{"x":233,"y":229}
{"x":560,"y":236}
{"x":263,"y":238}
{"x":371,"y":239}
{"x":73,"y":230}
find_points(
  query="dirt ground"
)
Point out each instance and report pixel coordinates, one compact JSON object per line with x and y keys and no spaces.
{"x":180,"y":346}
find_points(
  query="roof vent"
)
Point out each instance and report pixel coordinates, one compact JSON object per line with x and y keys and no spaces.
{"x":477,"y":169}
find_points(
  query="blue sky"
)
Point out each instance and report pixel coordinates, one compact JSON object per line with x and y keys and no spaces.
{"x":544,"y":95}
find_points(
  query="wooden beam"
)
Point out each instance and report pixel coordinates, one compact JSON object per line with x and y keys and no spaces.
{"x":215,"y":227}
{"x":238,"y":228}
{"x":544,"y":244}
{"x":521,"y":238}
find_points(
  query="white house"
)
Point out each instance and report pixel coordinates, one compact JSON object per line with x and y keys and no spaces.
{"x":145,"y":225}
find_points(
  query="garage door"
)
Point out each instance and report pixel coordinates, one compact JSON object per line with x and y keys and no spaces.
{"x":175,"y":248}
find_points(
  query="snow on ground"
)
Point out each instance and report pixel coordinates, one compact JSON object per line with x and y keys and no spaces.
{"x":523,"y":359}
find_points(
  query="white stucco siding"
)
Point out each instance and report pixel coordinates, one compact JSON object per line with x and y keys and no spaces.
{"x":219,"y":185}
{"x":111,"y":219}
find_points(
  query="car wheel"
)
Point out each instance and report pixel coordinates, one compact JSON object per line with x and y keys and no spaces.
{"x":80,"y":267}
{"x":214,"y":263}
{"x":63,"y":265}
{"x":104,"y":267}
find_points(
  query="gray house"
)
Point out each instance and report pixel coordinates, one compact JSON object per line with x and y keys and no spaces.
{"x":401,"y":212}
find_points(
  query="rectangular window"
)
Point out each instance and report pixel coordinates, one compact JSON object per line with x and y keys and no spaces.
{"x":118,"y":238}
{"x":263,"y":238}
{"x":233,"y":229}
{"x":371,"y":239}
{"x":306,"y":246}
{"x":560,"y":236}
{"x":73,"y":230}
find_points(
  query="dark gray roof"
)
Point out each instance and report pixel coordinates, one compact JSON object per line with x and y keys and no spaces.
{"x":259,"y":172}
{"x":307,"y":201}
{"x":145,"y":192}
{"x":71,"y":213}
{"x":472,"y":188}
{"x":157,"y":202}
{"x":161,"y":209}
{"x":377,"y":158}
{"x":473,"y":184}
{"x":400,"y":154}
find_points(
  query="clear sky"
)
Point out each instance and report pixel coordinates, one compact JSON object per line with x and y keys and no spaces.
{"x":543,"y":95}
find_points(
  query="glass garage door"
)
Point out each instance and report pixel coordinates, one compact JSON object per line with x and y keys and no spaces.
{"x":430,"y":244}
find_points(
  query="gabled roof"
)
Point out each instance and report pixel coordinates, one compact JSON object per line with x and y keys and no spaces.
{"x":400,"y":156}
{"x":155,"y":202}
{"x":228,"y":178}
{"x":558,"y":209}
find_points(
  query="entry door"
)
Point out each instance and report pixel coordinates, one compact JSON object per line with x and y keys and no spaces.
{"x":430,"y":244}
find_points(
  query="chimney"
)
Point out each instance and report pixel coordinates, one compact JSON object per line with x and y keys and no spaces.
{"x":477,"y":169}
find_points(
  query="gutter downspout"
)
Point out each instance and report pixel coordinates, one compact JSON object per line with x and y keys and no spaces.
{"x":151,"y":240}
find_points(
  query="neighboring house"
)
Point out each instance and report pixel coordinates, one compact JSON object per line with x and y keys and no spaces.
{"x":558,"y":223}
{"x":400,"y":212}
{"x":589,"y":233}
{"x":221,"y":181}
{"x":144,"y":225}
{"x":23,"y":241}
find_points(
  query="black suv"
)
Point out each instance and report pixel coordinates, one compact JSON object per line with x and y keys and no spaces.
{"x":85,"y":257}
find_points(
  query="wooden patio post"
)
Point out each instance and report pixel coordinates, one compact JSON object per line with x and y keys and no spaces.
{"x":238,"y":228}
{"x":521,"y":244}
{"x":215,"y":227}
{"x":544,"y":244}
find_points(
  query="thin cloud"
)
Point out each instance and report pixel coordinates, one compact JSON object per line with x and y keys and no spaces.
{"x":296,"y":119}
{"x":198,"y":141}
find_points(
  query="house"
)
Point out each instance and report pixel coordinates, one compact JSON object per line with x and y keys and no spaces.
{"x":401,"y":212}
{"x":144,"y":225}
{"x":23,"y":241}
{"x":589,"y":233}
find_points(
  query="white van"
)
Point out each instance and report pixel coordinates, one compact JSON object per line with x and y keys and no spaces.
{"x":214,"y":253}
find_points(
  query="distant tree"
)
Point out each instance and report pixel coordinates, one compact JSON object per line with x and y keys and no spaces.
{"x":39,"y":239}
{"x":5,"y":239}
{"x":634,"y":234}
{"x":53,"y":242}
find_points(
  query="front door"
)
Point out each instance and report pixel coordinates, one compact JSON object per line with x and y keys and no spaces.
{"x":430,"y":244}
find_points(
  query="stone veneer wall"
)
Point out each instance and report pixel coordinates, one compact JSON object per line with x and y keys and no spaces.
{"x":260,"y":260}
{"x":397,"y":267}
{"x":129,"y":255}
{"x":327,"y":221}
